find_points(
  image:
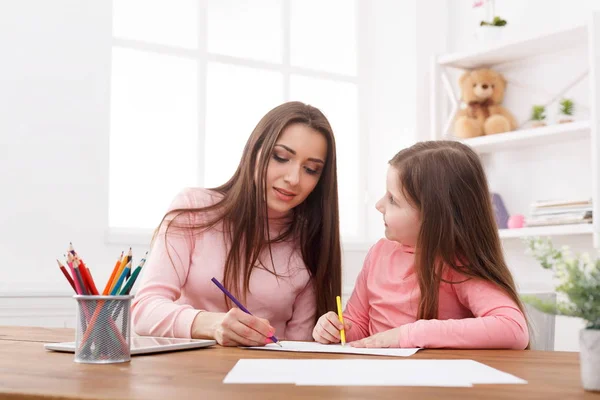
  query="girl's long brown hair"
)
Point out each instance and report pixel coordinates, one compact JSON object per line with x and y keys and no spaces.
{"x":446,"y":182}
{"x":243,"y":211}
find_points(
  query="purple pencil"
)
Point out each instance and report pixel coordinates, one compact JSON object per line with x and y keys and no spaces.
{"x":240,"y":305}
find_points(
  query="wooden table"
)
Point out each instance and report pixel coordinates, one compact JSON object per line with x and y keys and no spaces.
{"x":29,"y":371}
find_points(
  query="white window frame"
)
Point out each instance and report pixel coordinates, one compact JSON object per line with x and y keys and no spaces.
{"x":142,"y":236}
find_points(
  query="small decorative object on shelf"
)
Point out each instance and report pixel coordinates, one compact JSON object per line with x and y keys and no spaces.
{"x":516,"y":221}
{"x":490,"y":29}
{"x":481,"y":113}
{"x":538,"y":116}
{"x":566,"y":111}
{"x":578,"y":288}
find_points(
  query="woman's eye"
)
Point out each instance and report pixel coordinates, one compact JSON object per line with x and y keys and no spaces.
{"x":311,"y":171}
{"x":391,"y":198}
{"x":279,"y":159}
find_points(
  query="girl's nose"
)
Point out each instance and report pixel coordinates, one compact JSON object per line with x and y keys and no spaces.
{"x":379,"y":205}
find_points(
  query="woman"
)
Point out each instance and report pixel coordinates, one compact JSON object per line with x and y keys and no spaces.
{"x":270,"y":234}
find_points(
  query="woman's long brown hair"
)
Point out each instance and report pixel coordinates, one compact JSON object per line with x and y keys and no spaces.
{"x":446,"y":182}
{"x":243,"y":211}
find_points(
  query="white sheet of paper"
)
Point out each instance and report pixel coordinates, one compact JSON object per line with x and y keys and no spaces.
{"x":263,"y":371}
{"x":313,"y":347}
{"x":484,"y":374}
{"x":367,"y":372}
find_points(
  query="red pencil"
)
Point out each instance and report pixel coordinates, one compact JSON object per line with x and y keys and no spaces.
{"x":87,"y":279}
{"x":66,"y":274}
{"x":94,"y":289}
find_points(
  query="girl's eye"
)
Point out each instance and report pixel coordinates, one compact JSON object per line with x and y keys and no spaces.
{"x":391,"y":198}
{"x":279,"y":159}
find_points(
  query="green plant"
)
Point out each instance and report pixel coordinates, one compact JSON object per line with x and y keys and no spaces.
{"x":490,"y":13}
{"x":578,"y":282}
{"x":566,"y":107}
{"x":497,"y":21}
{"x":537,"y":113}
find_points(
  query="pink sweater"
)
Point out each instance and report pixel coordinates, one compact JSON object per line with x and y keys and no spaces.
{"x":170,"y":296}
{"x":473,"y":314}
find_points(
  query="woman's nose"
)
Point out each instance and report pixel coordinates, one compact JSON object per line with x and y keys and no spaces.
{"x":292,"y":177}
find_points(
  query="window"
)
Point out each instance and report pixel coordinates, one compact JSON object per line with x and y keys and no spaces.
{"x":192,"y":78}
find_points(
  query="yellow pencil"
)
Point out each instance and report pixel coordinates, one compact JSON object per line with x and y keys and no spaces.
{"x":341,"y":317}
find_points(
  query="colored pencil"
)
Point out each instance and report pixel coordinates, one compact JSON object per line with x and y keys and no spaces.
{"x":240,"y":305}
{"x":106,"y":290}
{"x":66,"y":274}
{"x":338,"y":299}
{"x":124,"y":262}
{"x":117,"y":286}
{"x":131,"y":280}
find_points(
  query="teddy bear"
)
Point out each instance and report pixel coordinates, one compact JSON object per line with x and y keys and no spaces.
{"x":482,"y":92}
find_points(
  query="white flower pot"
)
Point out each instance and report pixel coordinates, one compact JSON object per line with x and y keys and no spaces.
{"x":589,"y":355}
{"x":489,"y":35}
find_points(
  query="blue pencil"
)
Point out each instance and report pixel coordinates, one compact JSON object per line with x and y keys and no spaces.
{"x":240,"y":305}
{"x":117,"y":286}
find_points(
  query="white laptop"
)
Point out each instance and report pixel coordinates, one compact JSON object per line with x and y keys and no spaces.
{"x":145,"y":345}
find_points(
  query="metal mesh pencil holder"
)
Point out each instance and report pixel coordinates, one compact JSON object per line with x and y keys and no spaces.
{"x":103,"y":331}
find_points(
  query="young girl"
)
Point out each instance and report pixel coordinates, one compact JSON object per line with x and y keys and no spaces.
{"x":270,"y":235}
{"x":439,"y":279}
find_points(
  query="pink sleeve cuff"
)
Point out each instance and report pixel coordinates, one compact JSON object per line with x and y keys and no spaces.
{"x":182,"y":328}
{"x":404,"y":337}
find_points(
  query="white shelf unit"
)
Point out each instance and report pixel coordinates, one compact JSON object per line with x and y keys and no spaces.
{"x":530,"y":137}
{"x":555,"y":230}
{"x":517,"y":50}
{"x":506,"y":53}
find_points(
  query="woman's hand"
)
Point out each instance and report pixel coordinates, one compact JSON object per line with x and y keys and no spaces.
{"x":327,"y":329}
{"x":234,"y":328}
{"x":389,"y":338}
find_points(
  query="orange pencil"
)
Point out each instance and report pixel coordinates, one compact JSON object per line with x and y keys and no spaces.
{"x":106,"y":290}
{"x":121,"y":268}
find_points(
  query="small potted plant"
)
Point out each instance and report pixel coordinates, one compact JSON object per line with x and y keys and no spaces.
{"x":497,"y":21}
{"x":538,"y":116}
{"x":578,"y":295}
{"x":566,"y":110}
{"x":490,"y":28}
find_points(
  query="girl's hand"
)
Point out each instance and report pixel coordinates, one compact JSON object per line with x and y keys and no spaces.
{"x":389,"y":338}
{"x":327,"y":329}
{"x":234,"y":328}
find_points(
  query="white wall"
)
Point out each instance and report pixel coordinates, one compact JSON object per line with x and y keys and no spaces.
{"x":54,"y":81}
{"x":54,"y":118}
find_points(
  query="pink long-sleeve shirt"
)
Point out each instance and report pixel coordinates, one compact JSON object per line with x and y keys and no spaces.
{"x":472,"y":314}
{"x":170,"y":296}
